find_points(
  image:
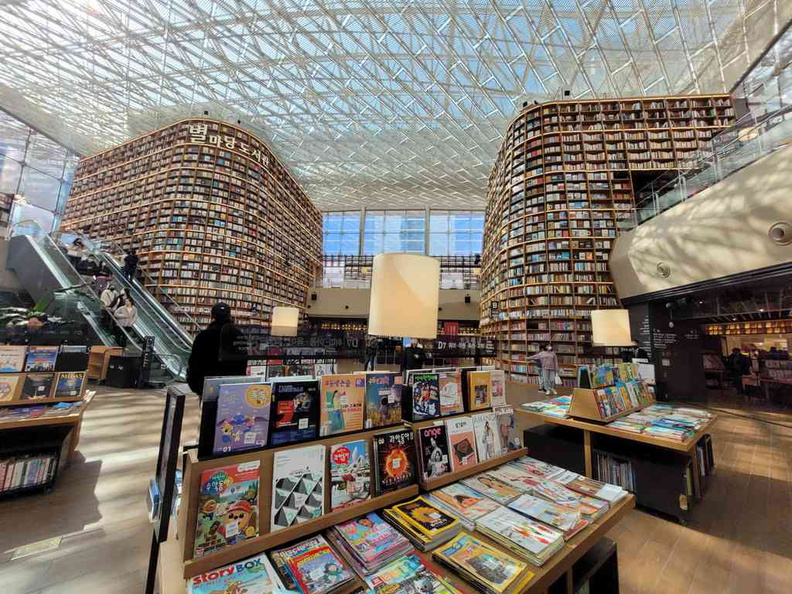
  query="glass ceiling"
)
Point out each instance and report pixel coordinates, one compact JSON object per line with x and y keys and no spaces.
{"x":397,"y":104}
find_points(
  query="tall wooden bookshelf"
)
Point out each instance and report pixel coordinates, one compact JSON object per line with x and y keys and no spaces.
{"x":213,"y":214}
{"x":566,"y":173}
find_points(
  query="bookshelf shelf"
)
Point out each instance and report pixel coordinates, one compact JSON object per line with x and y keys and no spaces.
{"x":453,"y":477}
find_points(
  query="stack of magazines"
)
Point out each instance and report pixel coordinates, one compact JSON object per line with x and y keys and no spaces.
{"x":368,"y":543}
{"x":566,"y":519}
{"x":311,"y":567}
{"x":408,"y":575}
{"x":523,"y":536}
{"x":586,"y":486}
{"x":423,"y":523}
{"x":590,"y":508}
{"x":463,"y":503}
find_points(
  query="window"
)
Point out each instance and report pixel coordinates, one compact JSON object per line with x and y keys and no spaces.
{"x":394,"y":231}
{"x":454,"y":233}
{"x":341,"y":233}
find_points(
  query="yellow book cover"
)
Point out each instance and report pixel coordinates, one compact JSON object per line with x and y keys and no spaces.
{"x":342,"y":403}
{"x":479,"y":390}
{"x":423,"y":517}
{"x":9,"y":387}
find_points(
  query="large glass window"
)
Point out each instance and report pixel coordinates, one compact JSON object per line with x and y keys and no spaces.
{"x":455,"y":233}
{"x":341,"y":233}
{"x":394,"y":231}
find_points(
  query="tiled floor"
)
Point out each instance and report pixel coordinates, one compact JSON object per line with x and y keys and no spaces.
{"x":739,"y":540}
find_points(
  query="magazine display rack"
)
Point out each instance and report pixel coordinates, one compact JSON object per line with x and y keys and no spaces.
{"x":17,"y":397}
{"x":584,"y":406}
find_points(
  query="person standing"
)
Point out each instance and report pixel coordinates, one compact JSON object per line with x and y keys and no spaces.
{"x":633,"y":352}
{"x":130,"y":265}
{"x":216,"y":351}
{"x":738,"y":365}
{"x":372,"y":350}
{"x":107,"y":298}
{"x":125,"y":317}
{"x":414,"y":356}
{"x":549,"y":362}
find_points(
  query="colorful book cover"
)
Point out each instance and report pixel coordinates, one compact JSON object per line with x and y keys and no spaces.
{"x":211,"y":386}
{"x":37,"y":386}
{"x":498,"y":380}
{"x":342,"y":403}
{"x":565,"y":519}
{"x":485,"y":428}
{"x":227,"y":507}
{"x":461,"y":442}
{"x":9,"y":386}
{"x":383,"y":399}
{"x":451,"y":400}
{"x":425,"y":396}
{"x":465,"y":501}
{"x":420,"y":515}
{"x":69,"y":384}
{"x":516,"y":477}
{"x":295,"y":412}
{"x":479,"y":390}
{"x":529,"y":535}
{"x":492,"y":487}
{"x":433,"y":452}
{"x":395,"y":455}
{"x":318,"y":570}
{"x":496,"y":570}
{"x":254,"y":575}
{"x":243,"y":417}
{"x":371,"y":537}
{"x":12,"y":357}
{"x":297,"y":486}
{"x":407,"y":575}
{"x":41,"y":358}
{"x":350,"y":474}
{"x":507,"y":430}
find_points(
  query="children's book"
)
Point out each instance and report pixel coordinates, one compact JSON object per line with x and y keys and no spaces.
{"x":383,"y":399}
{"x":425,"y":400}
{"x":485,"y":427}
{"x":423,"y":517}
{"x":479,"y":390}
{"x":493,"y":487}
{"x":451,"y":401}
{"x":228,"y":510}
{"x":310,"y":567}
{"x":9,"y":387}
{"x":371,"y":539}
{"x":37,"y":386}
{"x":407,"y":575}
{"x":12,"y":357}
{"x":254,"y":575}
{"x":243,"y":417}
{"x":498,"y":380}
{"x":507,"y":430}
{"x":69,"y":384}
{"x":433,"y":456}
{"x":211,"y":386}
{"x":394,"y":453}
{"x":350,"y":474}
{"x":461,"y":442}
{"x":41,"y":358}
{"x":343,"y":396}
{"x":297,"y":486}
{"x":295,"y":411}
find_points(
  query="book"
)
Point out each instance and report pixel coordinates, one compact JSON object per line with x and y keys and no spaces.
{"x":494,"y":488}
{"x":516,"y":477}
{"x":507,"y":430}
{"x":461,"y":442}
{"x":297,"y":486}
{"x":408,"y":575}
{"x":383,"y":399}
{"x":311,"y":567}
{"x":228,"y":500}
{"x":537,"y":468}
{"x":567,"y":520}
{"x":433,"y":459}
{"x":586,"y":486}
{"x":479,"y":390}
{"x":9,"y":387}
{"x":498,"y":382}
{"x":350,"y":474}
{"x":422,"y":522}
{"x":482,"y":565}
{"x":590,"y":508}
{"x":69,"y":384}
{"x":41,"y":358}
{"x":37,"y":386}
{"x":295,"y":411}
{"x":254,"y":575}
{"x":12,"y":357}
{"x":368,"y":542}
{"x":243,"y":417}
{"x":424,"y":398}
{"x":462,"y":502}
{"x":523,"y":536}
{"x":343,"y":396}
{"x":450,"y":385}
{"x":394,"y":452}
{"x":211,"y":386}
{"x":487,"y":438}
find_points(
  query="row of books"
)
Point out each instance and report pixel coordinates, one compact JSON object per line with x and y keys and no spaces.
{"x":555,"y":407}
{"x":15,"y":358}
{"x":617,"y":471}
{"x":664,"y":420}
{"x":25,"y":387}
{"x":20,"y":472}
{"x":622,"y":396}
{"x":447,"y":391}
{"x":608,"y":375}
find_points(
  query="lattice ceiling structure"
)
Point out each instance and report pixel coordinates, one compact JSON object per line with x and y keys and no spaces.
{"x":397,"y":104}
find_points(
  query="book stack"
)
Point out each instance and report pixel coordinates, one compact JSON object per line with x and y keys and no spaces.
{"x":311,"y":567}
{"x":21,"y":472}
{"x":368,"y":543}
{"x":423,"y":523}
{"x":408,"y":574}
{"x":555,"y":407}
{"x":616,"y":471}
{"x":487,"y":483}
{"x":463,"y":503}
{"x":590,"y":508}
{"x":664,"y":420}
{"x":567,"y":520}
{"x":254,"y":574}
{"x":586,"y":486}
{"x":531,"y":540}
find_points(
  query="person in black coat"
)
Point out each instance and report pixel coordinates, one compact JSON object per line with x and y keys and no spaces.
{"x":216,"y":351}
{"x":414,"y":356}
{"x":634,"y":352}
{"x":130,"y":265}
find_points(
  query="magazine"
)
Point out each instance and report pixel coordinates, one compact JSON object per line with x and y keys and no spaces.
{"x":41,"y":358}
{"x":507,"y":430}
{"x":565,"y":519}
{"x":479,"y":390}
{"x":9,"y":387}
{"x":463,"y":501}
{"x":494,"y":488}
{"x":37,"y":386}
{"x":394,"y":453}
{"x":487,"y":439}
{"x":243,"y":417}
{"x":451,"y":401}
{"x":530,"y":539}
{"x":310,"y":567}
{"x":498,"y":382}
{"x":69,"y":384}
{"x":12,"y":357}
{"x":407,"y":575}
{"x":254,"y":575}
{"x":433,"y":452}
{"x":425,"y":391}
{"x":350,"y":474}
{"x":297,"y":486}
{"x":295,"y":411}
{"x":371,"y":539}
{"x":342,"y":403}
{"x":461,"y":442}
{"x":383,"y":399}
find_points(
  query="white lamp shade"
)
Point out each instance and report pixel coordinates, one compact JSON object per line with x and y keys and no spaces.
{"x":610,"y":327}
{"x":405,"y":293}
{"x":284,"y":321}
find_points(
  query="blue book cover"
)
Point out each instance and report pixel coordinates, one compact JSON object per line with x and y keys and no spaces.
{"x":243,"y":417}
{"x":41,"y":358}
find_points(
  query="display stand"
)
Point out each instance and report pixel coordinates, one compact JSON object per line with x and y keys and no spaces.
{"x":584,"y":406}
{"x":468,"y":471}
{"x":99,"y":359}
{"x":16,"y":399}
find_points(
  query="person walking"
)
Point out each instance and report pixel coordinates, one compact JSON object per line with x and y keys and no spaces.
{"x":130,"y":265}
{"x":125,"y":317}
{"x":549,"y":362}
{"x":372,"y":350}
{"x":217,"y":350}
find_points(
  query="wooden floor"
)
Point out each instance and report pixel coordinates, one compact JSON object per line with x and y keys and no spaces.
{"x":739,"y":541}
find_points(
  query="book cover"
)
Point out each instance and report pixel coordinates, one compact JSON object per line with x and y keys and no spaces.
{"x":254,"y":575}
{"x":451,"y":401}
{"x":295,"y":412}
{"x":41,"y":358}
{"x":227,"y":507}
{"x":297,"y":486}
{"x":516,"y":477}
{"x":433,"y":452}
{"x":211,"y":386}
{"x":407,"y":575}
{"x":565,"y":519}
{"x":542,"y":470}
{"x":243,"y":417}
{"x":529,"y":535}
{"x":395,"y":460}
{"x":465,"y":501}
{"x":12,"y":357}
{"x":350,"y":474}
{"x":342,"y":403}
{"x":425,"y":392}
{"x":492,"y":487}
{"x":371,"y":537}
{"x":498,"y":381}
{"x":9,"y":387}
{"x":69,"y":384}
{"x":37,"y":386}
{"x":495,"y":570}
{"x":507,"y":430}
{"x":461,"y":442}
{"x":485,"y":428}
{"x":383,"y":399}
{"x":479,"y":390}
{"x":319,"y":569}
{"x":422,"y":516}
